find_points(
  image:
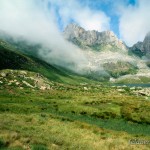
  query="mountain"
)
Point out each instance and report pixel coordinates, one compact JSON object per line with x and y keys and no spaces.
{"x":142,"y":48}
{"x":103,"y":50}
{"x":146,"y":44}
{"x":12,"y":58}
{"x":138,"y":49}
{"x":20,"y":44}
{"x":108,"y":58}
{"x":93,"y":39}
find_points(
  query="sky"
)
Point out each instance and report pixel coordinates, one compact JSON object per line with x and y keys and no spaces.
{"x":128,"y":19}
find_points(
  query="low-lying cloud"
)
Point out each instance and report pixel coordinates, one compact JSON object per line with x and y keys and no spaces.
{"x":34,"y":22}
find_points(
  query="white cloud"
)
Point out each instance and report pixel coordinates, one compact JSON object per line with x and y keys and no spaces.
{"x":92,"y":20}
{"x":32,"y":20}
{"x":84,"y":16}
{"x":135,"y":22}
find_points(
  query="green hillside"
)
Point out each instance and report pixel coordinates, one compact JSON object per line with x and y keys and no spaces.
{"x":120,"y":68}
{"x":10,"y":58}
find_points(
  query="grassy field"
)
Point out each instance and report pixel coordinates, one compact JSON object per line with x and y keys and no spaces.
{"x":81,"y":117}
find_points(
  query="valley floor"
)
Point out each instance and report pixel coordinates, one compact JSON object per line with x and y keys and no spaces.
{"x":81,"y":117}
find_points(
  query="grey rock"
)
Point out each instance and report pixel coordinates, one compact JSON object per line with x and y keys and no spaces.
{"x":142,"y":48}
{"x":146,"y":44}
{"x":90,"y":38}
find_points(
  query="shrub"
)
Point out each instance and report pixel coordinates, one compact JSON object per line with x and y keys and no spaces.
{"x":2,"y":143}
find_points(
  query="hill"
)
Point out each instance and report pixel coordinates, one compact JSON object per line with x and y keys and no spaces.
{"x":11,"y":58}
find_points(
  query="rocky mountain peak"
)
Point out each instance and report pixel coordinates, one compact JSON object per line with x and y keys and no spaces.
{"x":91,"y":37}
{"x":110,"y":33}
{"x":142,"y":48}
{"x":147,"y":38}
{"x":147,"y":35}
{"x":73,"y":26}
{"x":146,"y":44}
{"x":73,"y":30}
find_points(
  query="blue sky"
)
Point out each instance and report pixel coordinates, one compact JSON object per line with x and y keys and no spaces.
{"x":106,"y":6}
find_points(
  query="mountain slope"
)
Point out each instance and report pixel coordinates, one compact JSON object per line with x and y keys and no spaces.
{"x":10,"y":58}
{"x":103,"y":50}
{"x":107,"y":57}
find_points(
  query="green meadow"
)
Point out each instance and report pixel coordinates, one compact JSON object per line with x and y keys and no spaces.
{"x":85,"y":117}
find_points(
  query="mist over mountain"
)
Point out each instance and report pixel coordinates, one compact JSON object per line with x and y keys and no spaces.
{"x":87,"y":52}
{"x":103,"y":54}
{"x":102,"y":49}
{"x":34,"y":30}
{"x":31,"y":23}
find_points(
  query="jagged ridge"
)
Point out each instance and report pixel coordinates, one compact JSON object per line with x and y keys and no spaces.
{"x":92,"y":39}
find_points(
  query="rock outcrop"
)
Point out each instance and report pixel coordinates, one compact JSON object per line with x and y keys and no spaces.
{"x":142,"y":48}
{"x":80,"y":36}
{"x":24,"y":79}
{"x":146,"y":44}
{"x":138,"y":49}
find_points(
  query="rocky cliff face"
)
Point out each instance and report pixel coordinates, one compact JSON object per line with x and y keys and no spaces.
{"x":138,"y":49}
{"x":142,"y":48}
{"x":146,"y":44}
{"x":81,"y":37}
